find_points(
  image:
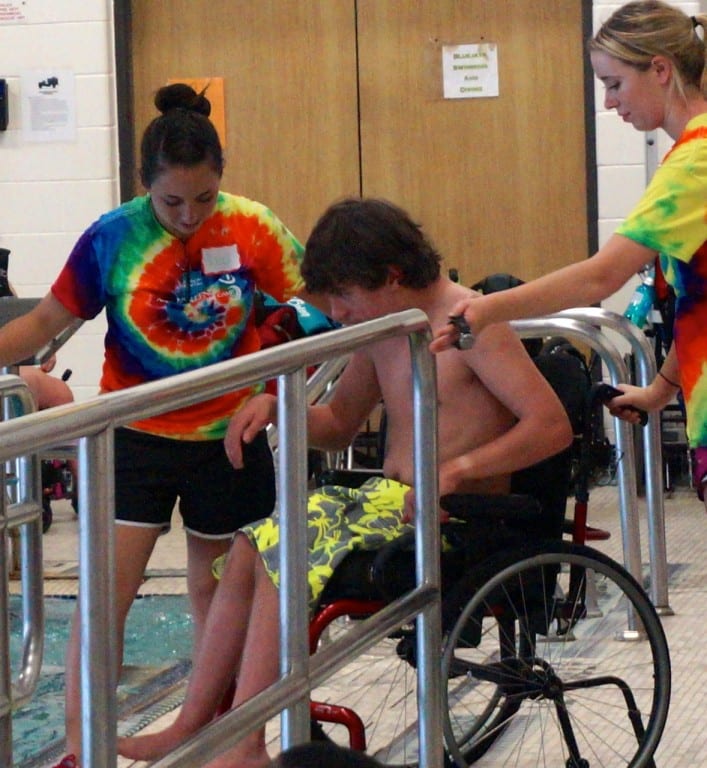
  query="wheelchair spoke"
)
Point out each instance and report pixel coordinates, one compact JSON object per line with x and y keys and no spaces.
{"x":382,"y":689}
{"x":531,"y":677}
{"x":580,"y":697}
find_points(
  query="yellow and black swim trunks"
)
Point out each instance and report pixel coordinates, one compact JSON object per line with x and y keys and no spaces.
{"x":339,"y":520}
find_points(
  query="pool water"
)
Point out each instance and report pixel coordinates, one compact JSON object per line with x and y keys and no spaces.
{"x":158,"y":640}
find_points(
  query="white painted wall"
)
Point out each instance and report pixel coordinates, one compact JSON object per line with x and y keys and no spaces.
{"x":50,"y":192}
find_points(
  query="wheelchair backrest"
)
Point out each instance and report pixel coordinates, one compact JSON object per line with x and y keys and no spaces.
{"x":549,"y":481}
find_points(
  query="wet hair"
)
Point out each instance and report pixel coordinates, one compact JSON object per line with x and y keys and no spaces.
{"x":182,"y":135}
{"x":356,"y":242}
{"x":638,"y":31}
{"x":323,"y":754}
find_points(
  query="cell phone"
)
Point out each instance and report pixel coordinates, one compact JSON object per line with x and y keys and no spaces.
{"x":605,"y":392}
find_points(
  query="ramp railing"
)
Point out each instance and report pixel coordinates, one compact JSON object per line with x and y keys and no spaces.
{"x":92,"y":422}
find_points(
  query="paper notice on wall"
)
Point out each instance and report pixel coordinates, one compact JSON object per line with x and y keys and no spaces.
{"x":13,"y":12}
{"x":48,"y":105}
{"x":470,"y":71}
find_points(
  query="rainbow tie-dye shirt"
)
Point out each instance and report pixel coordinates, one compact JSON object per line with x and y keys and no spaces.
{"x":671,"y":218}
{"x":166,"y":314}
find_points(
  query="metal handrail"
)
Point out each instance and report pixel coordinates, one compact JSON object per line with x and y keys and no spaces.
{"x":92,"y":423}
{"x":646,"y":370}
{"x":626,"y":466}
{"x":583,"y":324}
{"x":319,"y":389}
{"x":23,"y":512}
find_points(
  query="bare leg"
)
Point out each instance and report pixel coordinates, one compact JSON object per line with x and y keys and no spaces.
{"x":240,"y":611}
{"x":133,"y":546}
{"x":258,"y":669}
{"x":47,"y":390}
{"x":201,"y":582}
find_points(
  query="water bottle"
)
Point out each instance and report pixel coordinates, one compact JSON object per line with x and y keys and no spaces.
{"x":641,"y":304}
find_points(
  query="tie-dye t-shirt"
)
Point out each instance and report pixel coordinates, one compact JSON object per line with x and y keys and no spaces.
{"x":175,"y":306}
{"x":671,"y":218}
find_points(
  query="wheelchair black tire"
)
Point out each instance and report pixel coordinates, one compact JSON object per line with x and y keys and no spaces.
{"x":488,"y":695}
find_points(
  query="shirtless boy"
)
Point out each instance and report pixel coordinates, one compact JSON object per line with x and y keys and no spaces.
{"x":365,"y":258}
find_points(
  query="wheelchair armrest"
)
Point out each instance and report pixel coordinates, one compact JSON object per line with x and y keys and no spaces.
{"x":349,"y":478}
{"x":512,"y":508}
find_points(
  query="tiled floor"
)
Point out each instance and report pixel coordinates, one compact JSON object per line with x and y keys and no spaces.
{"x":685,"y":739}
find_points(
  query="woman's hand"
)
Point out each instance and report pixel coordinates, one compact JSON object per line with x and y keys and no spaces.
{"x":465,"y":323}
{"x":634,"y":399}
{"x":245,"y":425}
{"x":48,"y":365}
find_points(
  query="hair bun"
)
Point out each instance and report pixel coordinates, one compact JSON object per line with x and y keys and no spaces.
{"x":182,"y":96}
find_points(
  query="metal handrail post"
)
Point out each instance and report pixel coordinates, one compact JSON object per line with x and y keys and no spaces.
{"x":626,"y":465}
{"x":292,"y":496}
{"x":24,"y":513}
{"x":646,"y":370}
{"x":5,"y":673}
{"x":32,"y":580}
{"x":318,"y":388}
{"x":99,"y":662}
{"x":428,"y":547}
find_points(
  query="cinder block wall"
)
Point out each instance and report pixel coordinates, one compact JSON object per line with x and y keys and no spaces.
{"x":50,"y":191}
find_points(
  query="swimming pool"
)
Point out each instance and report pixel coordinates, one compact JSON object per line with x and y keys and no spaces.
{"x":158,"y":639}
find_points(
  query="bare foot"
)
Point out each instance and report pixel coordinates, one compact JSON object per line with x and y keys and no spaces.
{"x":240,"y":758}
{"x":249,"y":753}
{"x":152,"y":746}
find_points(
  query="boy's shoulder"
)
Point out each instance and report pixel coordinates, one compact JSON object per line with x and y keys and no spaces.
{"x":444,"y":295}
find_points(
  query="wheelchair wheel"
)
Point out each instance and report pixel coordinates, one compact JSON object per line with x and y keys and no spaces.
{"x":535,"y":678}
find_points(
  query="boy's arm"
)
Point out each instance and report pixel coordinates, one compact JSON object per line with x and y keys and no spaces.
{"x":542,"y":428}
{"x":334,"y":425}
{"x":331,"y":426}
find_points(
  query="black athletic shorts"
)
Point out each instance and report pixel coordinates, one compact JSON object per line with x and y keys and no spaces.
{"x":215,"y":499}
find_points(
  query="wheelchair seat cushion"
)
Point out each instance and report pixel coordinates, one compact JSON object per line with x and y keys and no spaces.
{"x":339,"y":521}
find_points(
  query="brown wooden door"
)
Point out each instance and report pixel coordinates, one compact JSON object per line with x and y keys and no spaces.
{"x":499,"y":182}
{"x":326,"y":98}
{"x":289,"y":68}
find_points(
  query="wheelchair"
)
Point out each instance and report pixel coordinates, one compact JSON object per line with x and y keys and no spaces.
{"x":552,"y":652}
{"x":58,"y":482}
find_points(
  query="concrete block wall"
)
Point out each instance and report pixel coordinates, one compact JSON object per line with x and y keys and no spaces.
{"x":49,"y":192}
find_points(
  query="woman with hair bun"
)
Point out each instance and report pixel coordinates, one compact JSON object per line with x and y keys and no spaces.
{"x":176,"y":271}
{"x":650,"y":57}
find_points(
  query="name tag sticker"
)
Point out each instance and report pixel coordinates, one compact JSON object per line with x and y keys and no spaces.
{"x":216,"y":261}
